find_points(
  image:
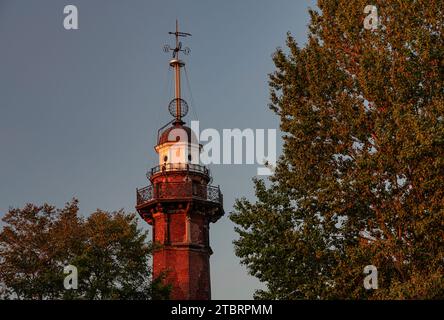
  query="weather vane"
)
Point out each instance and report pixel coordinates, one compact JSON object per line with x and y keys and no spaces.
{"x":178,"y":47}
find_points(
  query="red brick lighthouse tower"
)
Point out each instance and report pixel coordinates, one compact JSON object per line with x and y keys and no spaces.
{"x":180,"y":203}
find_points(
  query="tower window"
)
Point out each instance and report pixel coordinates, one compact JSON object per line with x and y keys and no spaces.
{"x":165,"y":158}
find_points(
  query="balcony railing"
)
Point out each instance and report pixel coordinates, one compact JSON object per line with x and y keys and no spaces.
{"x":177,"y":190}
{"x":178,"y":167}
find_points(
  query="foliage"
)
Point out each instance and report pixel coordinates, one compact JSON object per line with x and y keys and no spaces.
{"x":361,"y":178}
{"x":108,"y":249}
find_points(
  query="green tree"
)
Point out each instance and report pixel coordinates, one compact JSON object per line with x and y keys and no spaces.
{"x":108,"y":249}
{"x":361,"y":178}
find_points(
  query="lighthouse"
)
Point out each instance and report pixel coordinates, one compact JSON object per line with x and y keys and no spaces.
{"x":179,"y":202}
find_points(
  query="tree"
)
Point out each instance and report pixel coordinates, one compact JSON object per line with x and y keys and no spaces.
{"x":108,"y":249}
{"x":361,"y":178}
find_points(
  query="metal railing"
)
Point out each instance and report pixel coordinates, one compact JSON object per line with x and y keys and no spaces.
{"x":177,"y":190}
{"x":179,"y":167}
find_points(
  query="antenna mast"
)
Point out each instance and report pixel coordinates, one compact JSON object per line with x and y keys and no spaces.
{"x":176,"y":63}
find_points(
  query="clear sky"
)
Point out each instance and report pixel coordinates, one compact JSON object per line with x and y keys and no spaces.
{"x":80,"y":110}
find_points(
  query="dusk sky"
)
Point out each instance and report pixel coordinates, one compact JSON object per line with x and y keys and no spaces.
{"x":80,"y":109}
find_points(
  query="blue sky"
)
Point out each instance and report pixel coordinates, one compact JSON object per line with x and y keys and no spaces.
{"x":80,"y":110}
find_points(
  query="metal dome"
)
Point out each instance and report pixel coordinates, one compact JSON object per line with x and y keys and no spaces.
{"x":169,"y":136}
